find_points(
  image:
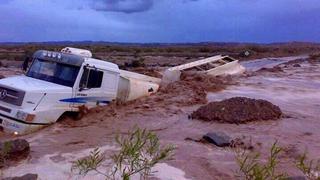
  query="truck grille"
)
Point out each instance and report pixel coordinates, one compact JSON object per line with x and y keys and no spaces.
{"x":5,"y":109}
{"x":11,"y":96}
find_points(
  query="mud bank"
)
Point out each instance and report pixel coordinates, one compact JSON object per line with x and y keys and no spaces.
{"x":191,"y":90}
{"x":238,"y":110}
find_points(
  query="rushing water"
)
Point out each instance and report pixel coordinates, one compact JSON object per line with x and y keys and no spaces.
{"x":258,"y":64}
{"x":296,"y":91}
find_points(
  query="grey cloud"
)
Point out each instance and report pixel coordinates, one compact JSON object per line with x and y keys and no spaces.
{"x":125,"y":6}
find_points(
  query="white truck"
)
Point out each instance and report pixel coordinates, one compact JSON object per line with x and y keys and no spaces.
{"x":60,"y":82}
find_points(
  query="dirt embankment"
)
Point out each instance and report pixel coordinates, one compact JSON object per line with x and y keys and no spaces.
{"x":238,"y":110}
{"x":191,"y":90}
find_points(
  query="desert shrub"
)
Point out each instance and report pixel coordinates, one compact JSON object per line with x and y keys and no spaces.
{"x":251,"y":167}
{"x":310,"y":168}
{"x":4,"y":56}
{"x":204,"y":49}
{"x":139,"y":151}
{"x":4,"y":153}
{"x":138,"y":63}
{"x":18,"y":58}
{"x":315,"y":56}
{"x":149,"y":50}
{"x":257,"y":48}
{"x":169,"y":50}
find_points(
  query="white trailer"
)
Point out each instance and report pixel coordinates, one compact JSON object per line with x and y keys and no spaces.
{"x":216,"y":66}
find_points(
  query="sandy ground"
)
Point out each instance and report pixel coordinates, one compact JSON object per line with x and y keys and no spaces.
{"x":294,"y":89}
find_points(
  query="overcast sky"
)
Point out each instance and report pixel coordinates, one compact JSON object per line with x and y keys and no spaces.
{"x":160,"y":20}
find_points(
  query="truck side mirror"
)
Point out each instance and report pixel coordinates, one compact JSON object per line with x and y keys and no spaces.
{"x":25,"y":64}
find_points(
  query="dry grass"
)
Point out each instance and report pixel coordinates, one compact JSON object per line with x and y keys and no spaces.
{"x":136,"y":51}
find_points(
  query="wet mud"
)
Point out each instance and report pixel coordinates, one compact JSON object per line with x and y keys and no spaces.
{"x":238,"y":110}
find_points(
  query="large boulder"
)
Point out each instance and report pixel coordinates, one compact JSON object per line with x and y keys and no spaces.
{"x":238,"y":110}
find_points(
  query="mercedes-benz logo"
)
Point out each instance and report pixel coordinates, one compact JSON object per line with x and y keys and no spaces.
{"x":3,"y":93}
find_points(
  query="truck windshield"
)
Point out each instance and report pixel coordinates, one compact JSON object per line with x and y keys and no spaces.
{"x":54,"y":72}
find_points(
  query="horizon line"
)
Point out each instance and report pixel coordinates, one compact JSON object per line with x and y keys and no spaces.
{"x":160,"y":43}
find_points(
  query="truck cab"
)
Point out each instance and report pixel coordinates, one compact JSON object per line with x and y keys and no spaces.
{"x":59,"y":82}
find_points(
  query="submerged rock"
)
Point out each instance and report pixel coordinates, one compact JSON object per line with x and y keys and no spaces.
{"x":24,"y":177}
{"x":218,"y":138}
{"x":15,"y":149}
{"x":238,"y":110}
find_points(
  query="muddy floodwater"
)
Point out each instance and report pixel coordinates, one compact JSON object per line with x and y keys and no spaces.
{"x":294,"y":87}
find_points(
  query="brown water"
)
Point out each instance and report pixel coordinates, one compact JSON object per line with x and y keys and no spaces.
{"x":295,"y":90}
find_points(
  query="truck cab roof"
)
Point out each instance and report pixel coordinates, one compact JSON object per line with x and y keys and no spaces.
{"x":102,"y":64}
{"x":75,"y":60}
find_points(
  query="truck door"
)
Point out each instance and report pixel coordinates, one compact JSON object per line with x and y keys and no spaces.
{"x":90,"y":91}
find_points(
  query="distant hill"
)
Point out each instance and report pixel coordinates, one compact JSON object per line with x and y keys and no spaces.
{"x":69,"y":43}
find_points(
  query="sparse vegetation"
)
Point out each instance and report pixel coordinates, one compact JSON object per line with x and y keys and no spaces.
{"x":6,"y":147}
{"x":315,"y":56}
{"x":108,"y":50}
{"x":310,"y":168}
{"x":139,"y":151}
{"x":138,"y":63}
{"x":251,"y":167}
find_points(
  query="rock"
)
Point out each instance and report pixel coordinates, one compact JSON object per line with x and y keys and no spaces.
{"x":24,"y":177}
{"x":146,"y":106}
{"x":274,"y":69}
{"x":238,"y":110}
{"x":218,"y":138}
{"x":16,"y":149}
{"x":2,"y":76}
{"x":296,"y":65}
{"x":296,"y":178}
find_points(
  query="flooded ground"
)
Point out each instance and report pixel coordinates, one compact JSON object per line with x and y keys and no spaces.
{"x":294,"y":89}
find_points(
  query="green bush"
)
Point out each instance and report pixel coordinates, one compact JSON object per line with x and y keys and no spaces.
{"x":4,"y":153}
{"x":310,"y":168}
{"x":139,"y":151}
{"x":251,"y":167}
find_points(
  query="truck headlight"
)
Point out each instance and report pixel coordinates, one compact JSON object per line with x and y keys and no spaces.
{"x":25,"y":116}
